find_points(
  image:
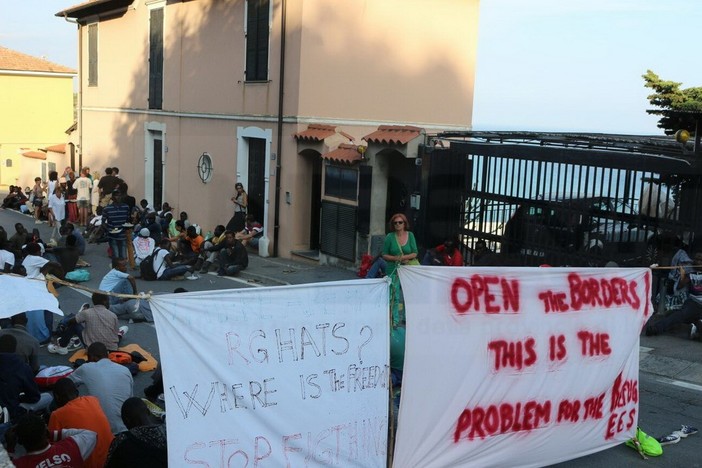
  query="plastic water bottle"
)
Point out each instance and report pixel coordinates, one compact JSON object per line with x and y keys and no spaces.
{"x":208,"y":236}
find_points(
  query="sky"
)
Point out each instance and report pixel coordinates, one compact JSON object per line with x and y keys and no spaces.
{"x":543,"y":65}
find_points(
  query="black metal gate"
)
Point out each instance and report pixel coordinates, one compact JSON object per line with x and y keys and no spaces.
{"x":564,"y":199}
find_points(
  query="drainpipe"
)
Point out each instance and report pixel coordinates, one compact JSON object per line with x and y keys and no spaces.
{"x":79,"y":104}
{"x":279,"y":143}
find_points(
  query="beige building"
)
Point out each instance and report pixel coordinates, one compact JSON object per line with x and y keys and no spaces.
{"x":186,"y":99}
{"x":36,"y":98}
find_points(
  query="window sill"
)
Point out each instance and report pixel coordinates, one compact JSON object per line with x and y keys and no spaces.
{"x":257,"y":82}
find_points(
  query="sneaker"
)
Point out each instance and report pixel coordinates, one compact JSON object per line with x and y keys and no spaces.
{"x":694,"y":332}
{"x":74,"y":344}
{"x":685,"y":431}
{"x":670,"y":439}
{"x":192,"y":276}
{"x":123,"y":331}
{"x":56,"y":349}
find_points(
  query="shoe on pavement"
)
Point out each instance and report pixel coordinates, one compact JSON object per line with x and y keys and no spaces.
{"x":123,"y":331}
{"x":56,"y":349}
{"x":74,"y":344}
{"x":192,"y":276}
{"x":686,"y":431}
{"x":695,"y":332}
{"x":670,"y":439}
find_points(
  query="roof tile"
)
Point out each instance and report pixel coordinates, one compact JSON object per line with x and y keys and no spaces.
{"x":315,"y":132}
{"x":13,"y":60}
{"x":60,"y":148}
{"x":394,"y":134}
{"x":34,"y":154}
{"x":347,"y":154}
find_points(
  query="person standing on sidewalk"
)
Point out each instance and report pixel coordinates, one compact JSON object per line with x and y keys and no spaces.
{"x":115,"y":215}
{"x":83,"y":186}
{"x":241,"y":201}
{"x":37,"y":199}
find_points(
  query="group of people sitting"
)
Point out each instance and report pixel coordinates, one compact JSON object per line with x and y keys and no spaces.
{"x":106,"y":427}
{"x":178,"y":246}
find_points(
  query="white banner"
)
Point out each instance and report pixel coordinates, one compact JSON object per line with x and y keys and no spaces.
{"x":285,"y":376}
{"x":20,"y":294}
{"x":519,"y":366}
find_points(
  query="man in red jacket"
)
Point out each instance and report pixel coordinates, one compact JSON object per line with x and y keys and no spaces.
{"x":70,"y":449}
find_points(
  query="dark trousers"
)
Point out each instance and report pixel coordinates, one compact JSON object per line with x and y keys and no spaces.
{"x":690,"y":312}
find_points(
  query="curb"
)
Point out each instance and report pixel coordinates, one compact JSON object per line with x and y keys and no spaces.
{"x":672,"y":368}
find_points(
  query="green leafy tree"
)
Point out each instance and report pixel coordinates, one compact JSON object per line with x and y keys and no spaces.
{"x":677,"y":107}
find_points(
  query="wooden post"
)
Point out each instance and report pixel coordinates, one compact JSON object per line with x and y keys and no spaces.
{"x":130,"y":246}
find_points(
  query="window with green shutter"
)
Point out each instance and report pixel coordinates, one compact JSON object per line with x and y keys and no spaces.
{"x":257,"y":37}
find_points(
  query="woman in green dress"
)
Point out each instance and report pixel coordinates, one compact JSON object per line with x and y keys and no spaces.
{"x":400,"y":248}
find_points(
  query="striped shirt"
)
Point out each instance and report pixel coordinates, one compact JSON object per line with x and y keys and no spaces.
{"x":114,"y":216}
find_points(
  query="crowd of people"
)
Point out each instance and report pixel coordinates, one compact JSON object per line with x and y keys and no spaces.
{"x":100,"y":209}
{"x":108,"y":426}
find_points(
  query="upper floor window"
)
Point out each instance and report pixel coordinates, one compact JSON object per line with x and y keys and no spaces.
{"x":156,"y":59}
{"x":257,"y":36}
{"x":93,"y":54}
{"x":341,"y":182}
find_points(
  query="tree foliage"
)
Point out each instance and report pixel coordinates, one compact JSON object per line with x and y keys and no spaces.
{"x":677,"y":107}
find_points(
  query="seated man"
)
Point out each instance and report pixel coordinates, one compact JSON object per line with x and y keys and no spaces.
{"x":34,"y":262}
{"x":233,"y":257}
{"x":190,"y":246}
{"x":19,"y":392}
{"x":252,"y":232}
{"x":67,"y":256}
{"x":27,"y":346}
{"x":154,"y":227}
{"x":445,"y":254}
{"x":110,"y":382}
{"x":81,"y":412}
{"x":95,"y":324}
{"x":207,"y":257}
{"x":143,"y":245}
{"x":145,"y":444}
{"x":71,"y":446}
{"x":691,"y":311}
{"x":117,"y":280}
{"x":165,"y":268}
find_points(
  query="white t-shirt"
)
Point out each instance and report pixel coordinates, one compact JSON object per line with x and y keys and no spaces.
{"x":6,"y":257}
{"x":160,"y":264}
{"x":83,"y":185}
{"x":143,"y":246}
{"x":32,"y":264}
{"x":58,"y":206}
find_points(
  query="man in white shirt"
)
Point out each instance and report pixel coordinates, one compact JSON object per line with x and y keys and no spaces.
{"x":34,"y":262}
{"x":110,"y":382}
{"x":83,"y":185}
{"x":143,"y":245}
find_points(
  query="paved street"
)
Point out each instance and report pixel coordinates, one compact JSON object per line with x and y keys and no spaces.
{"x":671,"y":365}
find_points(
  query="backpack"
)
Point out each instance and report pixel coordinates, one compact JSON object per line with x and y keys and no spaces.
{"x":120,"y":357}
{"x":148,"y":273}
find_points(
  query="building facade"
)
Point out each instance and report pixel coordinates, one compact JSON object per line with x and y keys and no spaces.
{"x":36,"y":97}
{"x":186,"y":99}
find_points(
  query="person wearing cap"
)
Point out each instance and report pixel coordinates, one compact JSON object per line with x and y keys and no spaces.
{"x":143,"y":244}
{"x":114,"y":216}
